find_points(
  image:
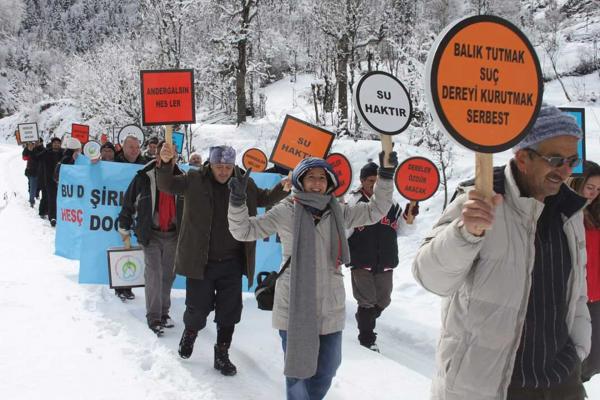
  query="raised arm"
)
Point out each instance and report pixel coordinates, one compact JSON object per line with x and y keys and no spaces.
{"x":246,"y":229}
{"x":165,"y":180}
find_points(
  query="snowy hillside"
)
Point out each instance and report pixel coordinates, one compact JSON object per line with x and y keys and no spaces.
{"x":69,"y":341}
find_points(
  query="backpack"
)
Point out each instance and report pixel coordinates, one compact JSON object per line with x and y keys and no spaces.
{"x":265,"y":287}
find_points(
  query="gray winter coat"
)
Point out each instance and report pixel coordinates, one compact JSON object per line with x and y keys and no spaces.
{"x":331,"y":297}
{"x":486,"y":283}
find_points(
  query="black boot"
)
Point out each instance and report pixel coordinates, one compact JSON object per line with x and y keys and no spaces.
{"x":365,"y":317}
{"x":156,"y":327}
{"x":222,"y":362}
{"x":186,"y":344}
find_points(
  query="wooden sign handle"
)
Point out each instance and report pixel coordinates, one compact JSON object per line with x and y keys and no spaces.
{"x":410,"y":218}
{"x":127,"y":242}
{"x":169,"y":134}
{"x":484,"y":174}
{"x":386,"y":146}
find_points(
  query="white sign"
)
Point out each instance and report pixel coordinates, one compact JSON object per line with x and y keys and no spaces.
{"x":125,"y":267}
{"x":92,"y":150}
{"x":382,"y":102}
{"x":28,"y":132}
{"x":131,"y":130}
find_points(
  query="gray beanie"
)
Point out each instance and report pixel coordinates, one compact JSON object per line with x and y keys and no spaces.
{"x":550,"y":122}
{"x":221,"y":155}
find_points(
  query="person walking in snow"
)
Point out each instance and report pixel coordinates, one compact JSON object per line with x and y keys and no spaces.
{"x":107,"y":152}
{"x":31,"y":171}
{"x":512,"y":271}
{"x":131,"y":154}
{"x":207,"y":254}
{"x":309,"y":307}
{"x":373,"y":257}
{"x":153,"y":216}
{"x":48,"y":157}
{"x":588,"y":186}
{"x":70,"y":154}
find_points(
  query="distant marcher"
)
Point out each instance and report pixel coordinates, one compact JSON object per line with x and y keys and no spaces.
{"x":153,"y":216}
{"x":48,"y":158}
{"x":151,"y":148}
{"x":195,"y":160}
{"x":309,"y":308}
{"x":131,"y":154}
{"x":107,"y":152}
{"x":512,"y":270}
{"x":373,"y":257}
{"x":70,"y":154}
{"x":31,"y":171}
{"x":588,"y":186}
{"x":207,"y":254}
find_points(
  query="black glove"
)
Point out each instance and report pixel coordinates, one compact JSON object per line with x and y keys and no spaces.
{"x":414,"y":211}
{"x":388,"y":172}
{"x":237,"y":187}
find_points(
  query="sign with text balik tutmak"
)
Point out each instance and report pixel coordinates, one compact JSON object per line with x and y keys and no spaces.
{"x":168,"y":97}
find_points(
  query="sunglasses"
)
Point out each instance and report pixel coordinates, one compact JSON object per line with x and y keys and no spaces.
{"x":557,"y":162}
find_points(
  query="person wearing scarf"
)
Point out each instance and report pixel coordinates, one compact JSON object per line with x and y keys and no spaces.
{"x":309,"y":309}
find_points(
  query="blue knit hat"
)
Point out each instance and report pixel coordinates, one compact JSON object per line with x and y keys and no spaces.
{"x":550,"y":122}
{"x":313,"y":162}
{"x":221,"y":155}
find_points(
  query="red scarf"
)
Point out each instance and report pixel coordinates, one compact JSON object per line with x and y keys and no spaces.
{"x":166,"y":210}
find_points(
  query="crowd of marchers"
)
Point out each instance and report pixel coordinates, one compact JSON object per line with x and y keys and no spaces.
{"x":519,"y":272}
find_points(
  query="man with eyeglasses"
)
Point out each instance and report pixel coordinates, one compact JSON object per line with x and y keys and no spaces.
{"x":512,"y":271}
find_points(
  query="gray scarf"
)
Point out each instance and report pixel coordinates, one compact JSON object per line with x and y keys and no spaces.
{"x":302,"y":349}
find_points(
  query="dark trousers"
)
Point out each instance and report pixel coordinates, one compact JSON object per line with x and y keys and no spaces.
{"x":317,"y":386}
{"x":33,"y":188}
{"x":51,"y":191}
{"x":571,"y":389}
{"x":591,"y":365}
{"x":220,"y":290}
{"x":43,"y":209}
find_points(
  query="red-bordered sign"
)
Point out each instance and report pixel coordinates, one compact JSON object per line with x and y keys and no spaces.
{"x":298,"y":140}
{"x":168,"y":97}
{"x":256,"y":159}
{"x":484,"y":83}
{"x":417,"y":179}
{"x":343,"y":170}
{"x":81,"y":133}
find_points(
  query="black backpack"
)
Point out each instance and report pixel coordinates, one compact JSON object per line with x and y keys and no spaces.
{"x":265,"y":287}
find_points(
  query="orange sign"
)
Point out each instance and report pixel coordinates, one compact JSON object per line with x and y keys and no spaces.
{"x":297,"y":140}
{"x":18,"y":137}
{"x":343,"y":170}
{"x":484,"y":83}
{"x":417,"y":179}
{"x":80,"y":132}
{"x":168,"y":97}
{"x":255,"y":159}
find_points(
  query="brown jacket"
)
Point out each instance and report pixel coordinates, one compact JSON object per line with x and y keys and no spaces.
{"x":194,"y":234}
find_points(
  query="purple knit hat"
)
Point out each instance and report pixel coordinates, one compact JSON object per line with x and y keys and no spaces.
{"x":221,"y":155}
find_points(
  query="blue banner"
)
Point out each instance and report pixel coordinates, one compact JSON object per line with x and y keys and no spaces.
{"x":88,"y":204}
{"x":579,"y":115}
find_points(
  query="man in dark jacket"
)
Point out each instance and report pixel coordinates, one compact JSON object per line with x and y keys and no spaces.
{"x":207,"y":255}
{"x":152,"y":215}
{"x":131,"y":154}
{"x":48,"y":158}
{"x":31,"y":171}
{"x":374,"y":255}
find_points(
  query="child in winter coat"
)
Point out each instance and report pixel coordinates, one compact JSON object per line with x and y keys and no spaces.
{"x":309,"y":308}
{"x":588,"y":186}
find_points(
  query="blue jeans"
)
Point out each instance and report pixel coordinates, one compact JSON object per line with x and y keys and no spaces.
{"x":33,"y":188}
{"x":330,"y":358}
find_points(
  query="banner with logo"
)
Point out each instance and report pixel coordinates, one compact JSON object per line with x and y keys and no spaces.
{"x":89,"y":200}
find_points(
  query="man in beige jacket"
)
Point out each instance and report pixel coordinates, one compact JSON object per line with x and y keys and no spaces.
{"x":511,"y":270}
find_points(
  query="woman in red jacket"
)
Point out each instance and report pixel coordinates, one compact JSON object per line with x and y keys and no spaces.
{"x":588,"y":186}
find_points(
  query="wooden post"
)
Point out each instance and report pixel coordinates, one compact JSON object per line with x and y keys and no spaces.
{"x":169,"y":134}
{"x":386,"y":146}
{"x":127,"y":242}
{"x":410,"y":218}
{"x":484,"y":174}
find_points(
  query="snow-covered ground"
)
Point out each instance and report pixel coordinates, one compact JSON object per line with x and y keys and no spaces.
{"x":62,"y":340}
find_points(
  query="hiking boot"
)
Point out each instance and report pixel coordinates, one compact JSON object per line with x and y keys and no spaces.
{"x":166,"y":321}
{"x":222,"y":362}
{"x":156,"y":327}
{"x":53,"y":222}
{"x":120,"y":293}
{"x":373,"y":347}
{"x":128,"y":294}
{"x":186,"y":344}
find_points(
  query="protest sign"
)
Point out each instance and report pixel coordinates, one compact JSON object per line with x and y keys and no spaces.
{"x":168,"y":97}
{"x":177,"y":138}
{"x":297,"y":140}
{"x":484,"y":87}
{"x":417,"y":179}
{"x":256,"y":159}
{"x":579,"y":115}
{"x":81,"y":133}
{"x":130,"y":130}
{"x":28,"y":132}
{"x":125,"y":267}
{"x":343,"y":170}
{"x":92,"y":150}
